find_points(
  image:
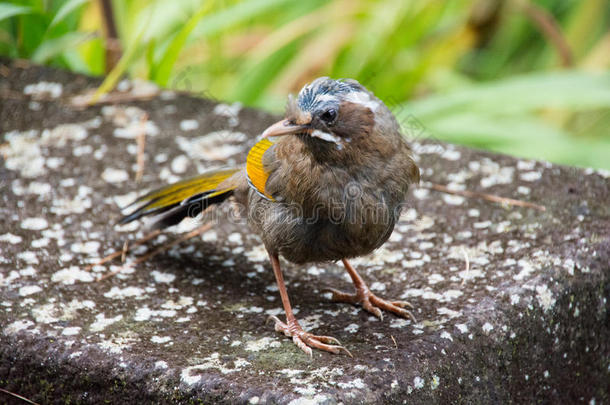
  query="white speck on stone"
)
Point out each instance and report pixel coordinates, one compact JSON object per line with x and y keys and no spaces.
{"x":71,"y":331}
{"x":10,"y":238}
{"x":218,"y":145}
{"x":40,"y":243}
{"x":28,"y":257}
{"x":418,"y":382}
{"x":252,"y":310}
{"x":90,"y":248}
{"x":356,"y":383}
{"x":527,"y":269}
{"x":523,"y":190}
{"x":514,"y":299}
{"x":123,"y":201}
{"x":451,"y":154}
{"x":189,"y":375}
{"x":179,"y":164}
{"x":135,"y":129}
{"x":462,"y":327}
{"x":315,"y":271}
{"x":229,"y":111}
{"x":545,"y":297}
{"x":189,"y":125}
{"x":160,"y":339}
{"x":473,"y":212}
{"x":257,"y":254}
{"x":211,"y":236}
{"x":448,"y":312}
{"x":161,"y":277}
{"x":377,"y":286}
{"x":526,"y":164}
{"x":46,"y":313}
{"x":435,"y":278}
{"x":101,"y":322}
{"x":261,"y":344}
{"x":352,"y":328}
{"x":421,"y":193}
{"x":18,"y":326}
{"x":29,"y":290}
{"x":530,"y":176}
{"x":161,"y":364}
{"x":111,"y":175}
{"x":446,"y":335}
{"x":82,"y":150}
{"x":70,"y":275}
{"x":43,"y":89}
{"x":120,"y":293}
{"x":399,"y":323}
{"x":497,"y":175}
{"x":34,"y":224}
{"x":143,"y":314}
{"x":482,"y":225}
{"x":435,"y":382}
{"x":450,"y":295}
{"x":235,"y":238}
{"x":487,"y":327}
{"x":453,"y":199}
{"x":41,"y":189}
{"x":28,"y":271}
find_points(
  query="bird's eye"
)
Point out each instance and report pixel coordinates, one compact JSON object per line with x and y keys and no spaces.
{"x":329,"y":116}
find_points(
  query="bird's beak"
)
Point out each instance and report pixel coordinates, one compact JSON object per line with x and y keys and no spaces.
{"x":284,"y":127}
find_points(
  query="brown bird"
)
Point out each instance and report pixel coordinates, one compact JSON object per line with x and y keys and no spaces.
{"x":325,"y":184}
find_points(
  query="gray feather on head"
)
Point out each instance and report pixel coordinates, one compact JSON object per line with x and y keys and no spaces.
{"x":325,"y":89}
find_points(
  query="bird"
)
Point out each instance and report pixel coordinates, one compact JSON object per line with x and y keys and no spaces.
{"x":325,"y":184}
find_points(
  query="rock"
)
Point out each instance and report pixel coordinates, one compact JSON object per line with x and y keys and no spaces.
{"x":526,"y":321}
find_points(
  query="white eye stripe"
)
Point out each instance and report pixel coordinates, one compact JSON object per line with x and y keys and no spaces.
{"x":362,"y":98}
{"x":325,"y":136}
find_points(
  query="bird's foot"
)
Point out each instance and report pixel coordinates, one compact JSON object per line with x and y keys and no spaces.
{"x":373,"y":303}
{"x":305,"y":340}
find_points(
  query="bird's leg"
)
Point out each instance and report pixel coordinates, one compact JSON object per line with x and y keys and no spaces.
{"x":367,"y":299}
{"x":304,"y":340}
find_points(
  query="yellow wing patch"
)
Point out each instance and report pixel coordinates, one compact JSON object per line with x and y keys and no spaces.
{"x":177,"y":192}
{"x":257,"y":176}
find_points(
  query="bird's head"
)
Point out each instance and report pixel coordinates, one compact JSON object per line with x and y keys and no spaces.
{"x":333,"y":113}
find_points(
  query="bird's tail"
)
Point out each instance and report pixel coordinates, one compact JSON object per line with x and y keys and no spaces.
{"x":186,"y":198}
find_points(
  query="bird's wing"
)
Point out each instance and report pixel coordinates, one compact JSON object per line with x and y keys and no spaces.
{"x":185,"y":198}
{"x":258,"y":166}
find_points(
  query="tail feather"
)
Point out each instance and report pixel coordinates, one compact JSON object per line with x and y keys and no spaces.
{"x":185,"y":198}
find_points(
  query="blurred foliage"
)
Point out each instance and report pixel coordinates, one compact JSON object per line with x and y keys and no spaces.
{"x":527,"y":78}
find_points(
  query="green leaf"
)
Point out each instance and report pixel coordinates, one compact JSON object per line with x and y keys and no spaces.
{"x":235,"y":14}
{"x":134,"y":50}
{"x":65,"y":10}
{"x":163,"y":69}
{"x":56,"y":46}
{"x":573,"y":90}
{"x":11,"y":10}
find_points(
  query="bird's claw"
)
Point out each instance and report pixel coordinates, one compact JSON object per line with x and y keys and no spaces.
{"x":305,"y":340}
{"x":373,"y":303}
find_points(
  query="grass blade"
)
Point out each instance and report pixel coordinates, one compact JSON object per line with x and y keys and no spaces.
{"x":162,"y":71}
{"x":56,"y":46}
{"x":11,"y":10}
{"x":65,"y":10}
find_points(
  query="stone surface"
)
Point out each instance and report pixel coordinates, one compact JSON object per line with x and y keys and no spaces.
{"x":527,"y":321}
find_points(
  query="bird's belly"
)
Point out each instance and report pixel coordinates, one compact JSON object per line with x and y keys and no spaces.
{"x":302,"y":238}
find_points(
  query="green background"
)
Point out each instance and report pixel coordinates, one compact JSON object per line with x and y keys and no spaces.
{"x":528,"y":78}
